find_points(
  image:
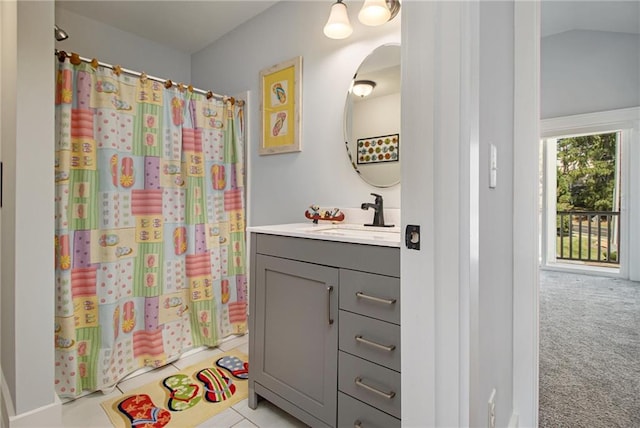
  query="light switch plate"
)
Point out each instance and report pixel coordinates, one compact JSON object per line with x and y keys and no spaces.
{"x":493,"y":166}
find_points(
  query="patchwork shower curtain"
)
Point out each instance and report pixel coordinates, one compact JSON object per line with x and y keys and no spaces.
{"x":150,"y":240}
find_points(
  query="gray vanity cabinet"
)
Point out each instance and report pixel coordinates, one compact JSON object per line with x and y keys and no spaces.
{"x":369,"y":350}
{"x":306,"y":309}
{"x":296,"y":334}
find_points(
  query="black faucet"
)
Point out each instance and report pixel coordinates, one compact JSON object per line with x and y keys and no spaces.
{"x":378,"y":216}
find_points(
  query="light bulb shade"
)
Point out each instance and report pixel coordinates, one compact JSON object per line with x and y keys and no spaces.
{"x":338,"y":26}
{"x":374,"y":12}
{"x":362,"y":88}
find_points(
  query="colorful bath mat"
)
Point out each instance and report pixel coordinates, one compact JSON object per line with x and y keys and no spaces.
{"x":184,"y":399}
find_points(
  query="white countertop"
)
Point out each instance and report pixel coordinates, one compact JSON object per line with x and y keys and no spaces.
{"x":340,"y":232}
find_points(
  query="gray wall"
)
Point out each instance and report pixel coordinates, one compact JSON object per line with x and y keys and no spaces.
{"x":93,"y":39}
{"x":283,"y":186}
{"x":589,"y":71}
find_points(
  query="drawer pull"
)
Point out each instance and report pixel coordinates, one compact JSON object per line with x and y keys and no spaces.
{"x":375,"y":299}
{"x":361,"y":384}
{"x":357,"y":424}
{"x":329,"y":290}
{"x":388,"y":348}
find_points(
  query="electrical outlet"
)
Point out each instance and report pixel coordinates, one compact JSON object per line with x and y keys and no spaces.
{"x":492,"y":409}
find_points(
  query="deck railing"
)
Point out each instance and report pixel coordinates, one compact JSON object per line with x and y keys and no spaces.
{"x":588,"y":236}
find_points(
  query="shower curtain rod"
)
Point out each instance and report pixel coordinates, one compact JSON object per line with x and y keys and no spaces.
{"x":168,"y":83}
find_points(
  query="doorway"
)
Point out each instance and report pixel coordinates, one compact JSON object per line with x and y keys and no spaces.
{"x":581,"y":196}
{"x":599,"y":96}
{"x":587,"y":215}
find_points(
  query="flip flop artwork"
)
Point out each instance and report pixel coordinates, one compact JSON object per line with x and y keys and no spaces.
{"x":238,"y":368}
{"x":183,"y":392}
{"x":217,"y":386}
{"x":141,"y":411}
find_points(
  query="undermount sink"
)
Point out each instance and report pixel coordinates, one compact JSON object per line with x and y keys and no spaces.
{"x":391,"y":234}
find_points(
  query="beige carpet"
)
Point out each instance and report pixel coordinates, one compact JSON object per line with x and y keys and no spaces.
{"x":186,"y":399}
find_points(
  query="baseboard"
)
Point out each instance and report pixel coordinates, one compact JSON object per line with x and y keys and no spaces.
{"x":513,"y":422}
{"x":45,"y":416}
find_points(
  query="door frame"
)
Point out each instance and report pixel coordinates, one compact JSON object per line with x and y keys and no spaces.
{"x":526,"y":121}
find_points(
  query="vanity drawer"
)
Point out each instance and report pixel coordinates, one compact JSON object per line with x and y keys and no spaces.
{"x":368,"y":338}
{"x":353,"y":413}
{"x":370,"y":383}
{"x":376,"y":296}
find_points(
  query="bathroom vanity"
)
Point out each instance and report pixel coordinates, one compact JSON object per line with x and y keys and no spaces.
{"x":324,"y":342}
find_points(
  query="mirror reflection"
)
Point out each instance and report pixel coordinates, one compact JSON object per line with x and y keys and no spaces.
{"x":372,"y":118}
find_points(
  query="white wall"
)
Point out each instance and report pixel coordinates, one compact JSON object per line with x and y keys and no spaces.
{"x":496,"y":214}
{"x":589,"y":71}
{"x":93,"y":39}
{"x":283,"y":186}
{"x":27,"y":220}
{"x":457,"y":318}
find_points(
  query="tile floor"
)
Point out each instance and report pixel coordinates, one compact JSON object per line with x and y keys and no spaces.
{"x":86,"y":411}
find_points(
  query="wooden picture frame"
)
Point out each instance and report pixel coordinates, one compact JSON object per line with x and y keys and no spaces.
{"x":281,"y":102}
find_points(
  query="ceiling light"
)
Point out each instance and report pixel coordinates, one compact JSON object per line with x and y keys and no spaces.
{"x":362,"y":88}
{"x":338,"y":26}
{"x":59,"y":33}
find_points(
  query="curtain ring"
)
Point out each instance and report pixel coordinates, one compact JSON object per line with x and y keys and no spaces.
{"x":143,"y":77}
{"x":62,"y":55}
{"x":95,"y":63}
{"x":75,"y":59}
{"x":117,"y":70}
{"x":209,"y":95}
{"x":181,"y":87}
{"x":168,"y":84}
{"x":190,"y":88}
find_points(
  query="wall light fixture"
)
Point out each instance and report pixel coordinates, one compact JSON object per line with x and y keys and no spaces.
{"x":373,"y":13}
{"x":338,"y":26}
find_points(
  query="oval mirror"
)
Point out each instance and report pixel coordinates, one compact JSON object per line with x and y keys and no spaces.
{"x":372,"y":118}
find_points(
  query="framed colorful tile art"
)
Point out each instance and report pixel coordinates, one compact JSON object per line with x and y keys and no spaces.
{"x":384,"y":148}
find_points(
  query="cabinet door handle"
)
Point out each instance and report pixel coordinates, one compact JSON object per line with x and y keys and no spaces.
{"x":329,"y":291}
{"x":361,"y":384}
{"x":375,"y":299}
{"x":388,"y":348}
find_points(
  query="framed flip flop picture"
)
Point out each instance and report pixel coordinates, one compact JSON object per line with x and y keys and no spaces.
{"x":281,"y":102}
